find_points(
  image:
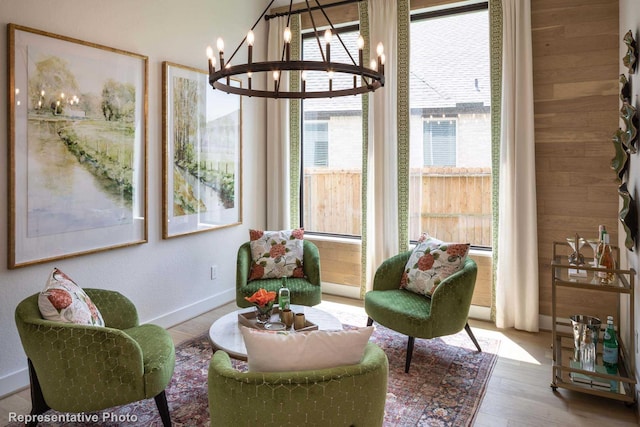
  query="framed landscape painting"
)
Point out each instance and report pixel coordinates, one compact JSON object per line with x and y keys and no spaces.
{"x":77,"y":147}
{"x":202,"y":153}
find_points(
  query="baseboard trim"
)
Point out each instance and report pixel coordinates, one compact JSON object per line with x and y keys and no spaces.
{"x":341,"y":290}
{"x":183,"y":314}
{"x":14,"y":382}
{"x":479,"y":312}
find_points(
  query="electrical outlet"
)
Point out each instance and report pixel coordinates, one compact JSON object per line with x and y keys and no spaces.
{"x":214,"y":272}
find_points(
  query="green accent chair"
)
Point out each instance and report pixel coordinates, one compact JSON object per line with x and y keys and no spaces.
{"x":82,"y":368}
{"x":353,"y":395}
{"x":418,"y":316}
{"x":304,"y":291}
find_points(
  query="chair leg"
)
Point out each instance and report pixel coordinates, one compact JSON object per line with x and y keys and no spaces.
{"x":38,"y":404}
{"x":163,"y":408}
{"x":473,"y":338}
{"x":369,"y":321}
{"x":409,"y":354}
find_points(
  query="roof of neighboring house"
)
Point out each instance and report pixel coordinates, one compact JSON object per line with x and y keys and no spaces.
{"x":449,"y":64}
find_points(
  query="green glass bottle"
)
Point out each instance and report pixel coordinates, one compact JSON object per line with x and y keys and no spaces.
{"x":284,"y":295}
{"x":610,"y":352}
{"x":610,"y":347}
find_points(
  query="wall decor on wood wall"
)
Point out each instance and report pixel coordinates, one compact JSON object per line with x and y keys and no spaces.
{"x":625,"y":143}
{"x":628,"y":216}
{"x":630,"y":58}
{"x":620,"y":163}
{"x":77,"y":147}
{"x":625,"y":89}
{"x":202,"y":153}
{"x":629,"y":117}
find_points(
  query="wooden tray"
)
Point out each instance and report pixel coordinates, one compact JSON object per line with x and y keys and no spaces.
{"x":248,"y":319}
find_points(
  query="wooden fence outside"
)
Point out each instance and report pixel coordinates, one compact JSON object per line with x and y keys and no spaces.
{"x":461,"y":212}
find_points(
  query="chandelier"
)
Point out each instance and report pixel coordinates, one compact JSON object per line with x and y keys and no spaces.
{"x":365,"y":78}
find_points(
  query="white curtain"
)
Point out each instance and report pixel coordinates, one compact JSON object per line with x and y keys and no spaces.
{"x":382,"y":182}
{"x":517,"y":266}
{"x":278,"y":214}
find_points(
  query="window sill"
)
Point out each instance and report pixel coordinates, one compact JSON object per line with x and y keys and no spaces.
{"x":356,"y":241}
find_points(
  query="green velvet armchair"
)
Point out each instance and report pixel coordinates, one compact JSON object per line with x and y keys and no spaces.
{"x":418,"y":316}
{"x":304,"y":291}
{"x":83,"y":368}
{"x":353,"y":395}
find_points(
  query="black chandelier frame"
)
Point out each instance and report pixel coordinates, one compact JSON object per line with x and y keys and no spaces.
{"x":371,"y":78}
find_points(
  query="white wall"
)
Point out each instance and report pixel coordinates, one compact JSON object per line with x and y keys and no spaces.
{"x":630,"y":20}
{"x":168,"y":280}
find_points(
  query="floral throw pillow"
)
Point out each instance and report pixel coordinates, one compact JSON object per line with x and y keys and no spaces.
{"x":430,"y":263}
{"x":276,"y":254}
{"x":64,"y":301}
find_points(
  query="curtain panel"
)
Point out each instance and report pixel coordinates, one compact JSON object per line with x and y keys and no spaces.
{"x":385,"y":171}
{"x":279,"y":136}
{"x":516,"y":278}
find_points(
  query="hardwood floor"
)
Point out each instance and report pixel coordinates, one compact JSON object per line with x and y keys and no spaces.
{"x":518,"y":393}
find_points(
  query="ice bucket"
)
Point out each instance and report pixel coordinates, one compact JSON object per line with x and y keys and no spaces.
{"x":584,"y":325}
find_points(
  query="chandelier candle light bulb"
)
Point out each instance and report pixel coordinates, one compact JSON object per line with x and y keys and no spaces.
{"x":276,"y":76}
{"x":220,"y":44}
{"x":360,"y":48}
{"x":250,"y":40}
{"x":380,"y":52}
{"x":287,"y":44}
{"x":212,"y":60}
{"x":327,"y":40}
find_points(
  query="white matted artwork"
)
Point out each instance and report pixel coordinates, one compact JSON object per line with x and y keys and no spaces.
{"x":77,"y":147}
{"x":202,"y":153}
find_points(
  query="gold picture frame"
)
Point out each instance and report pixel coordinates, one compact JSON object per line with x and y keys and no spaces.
{"x":77,"y":147}
{"x":202,"y":153}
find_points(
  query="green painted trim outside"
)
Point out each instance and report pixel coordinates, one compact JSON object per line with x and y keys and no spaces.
{"x":403,"y":122}
{"x":294,"y":128}
{"x":495,"y":43}
{"x":363,"y":9}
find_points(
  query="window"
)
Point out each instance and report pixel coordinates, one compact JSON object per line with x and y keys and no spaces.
{"x":450,"y":146}
{"x":439,"y":143}
{"x":316,"y":143}
{"x":331,"y":147}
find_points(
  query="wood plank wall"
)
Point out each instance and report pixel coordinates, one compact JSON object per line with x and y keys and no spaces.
{"x":575,"y":77}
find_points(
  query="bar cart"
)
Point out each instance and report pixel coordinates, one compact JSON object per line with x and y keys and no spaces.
{"x":568,"y":372}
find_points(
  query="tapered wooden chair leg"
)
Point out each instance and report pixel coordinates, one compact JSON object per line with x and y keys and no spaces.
{"x":163,"y":408}
{"x":473,"y":338}
{"x":38,"y":404}
{"x":409,"y":353}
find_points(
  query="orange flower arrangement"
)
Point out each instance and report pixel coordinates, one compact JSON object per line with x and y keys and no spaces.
{"x":262,"y":298}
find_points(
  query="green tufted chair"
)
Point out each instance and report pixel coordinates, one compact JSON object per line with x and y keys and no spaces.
{"x":304,"y":291}
{"x":418,"y":316}
{"x":83,"y":368}
{"x":351,"y":395}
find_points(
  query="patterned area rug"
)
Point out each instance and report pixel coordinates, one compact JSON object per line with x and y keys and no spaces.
{"x":444,"y":386}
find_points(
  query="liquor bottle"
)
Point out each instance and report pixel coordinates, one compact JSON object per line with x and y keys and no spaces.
{"x":606,"y":261}
{"x":601,"y":232}
{"x":588,"y":353}
{"x":601,"y":228}
{"x":284,"y":296}
{"x":610,"y":352}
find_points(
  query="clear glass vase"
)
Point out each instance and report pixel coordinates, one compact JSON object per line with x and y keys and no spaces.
{"x":263,"y":314}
